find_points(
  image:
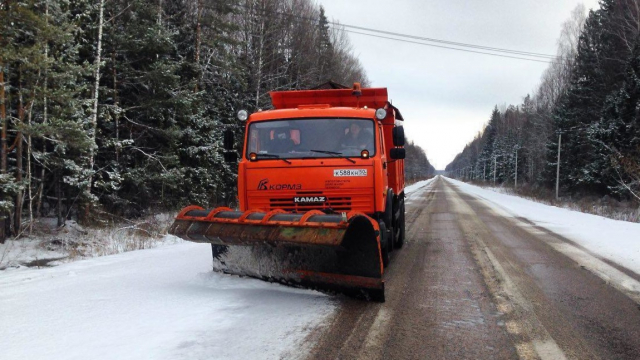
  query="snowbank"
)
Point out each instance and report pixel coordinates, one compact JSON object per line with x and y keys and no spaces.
{"x":614,"y":240}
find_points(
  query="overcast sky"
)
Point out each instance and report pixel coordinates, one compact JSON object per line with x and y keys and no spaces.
{"x":446,"y":96}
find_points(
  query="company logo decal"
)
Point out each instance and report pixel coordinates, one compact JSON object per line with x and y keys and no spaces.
{"x":264,"y":185}
{"x":309,"y":199}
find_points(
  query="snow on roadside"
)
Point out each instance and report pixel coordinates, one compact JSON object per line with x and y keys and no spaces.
{"x":50,"y":245}
{"x":420,"y":184}
{"x":614,"y":240}
{"x":162,"y":303}
{"x":15,"y":254}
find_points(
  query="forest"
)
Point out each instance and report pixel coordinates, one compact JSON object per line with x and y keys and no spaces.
{"x":584,"y":116}
{"x":417,"y":166}
{"x":115,"y":109}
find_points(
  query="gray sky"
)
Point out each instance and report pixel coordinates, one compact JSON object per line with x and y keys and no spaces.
{"x":446,"y":96}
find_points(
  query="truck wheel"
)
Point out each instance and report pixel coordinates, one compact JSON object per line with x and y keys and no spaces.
{"x":384,"y":243}
{"x":401,"y":228}
{"x":392,"y":238}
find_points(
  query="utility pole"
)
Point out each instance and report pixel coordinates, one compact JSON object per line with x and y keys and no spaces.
{"x":3,"y":119}
{"x":3,"y":148}
{"x":530,"y":168}
{"x":516,"y":168}
{"x":558,"y":167}
{"x":494,"y":170}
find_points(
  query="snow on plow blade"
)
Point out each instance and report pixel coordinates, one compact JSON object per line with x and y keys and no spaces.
{"x":317,"y":250}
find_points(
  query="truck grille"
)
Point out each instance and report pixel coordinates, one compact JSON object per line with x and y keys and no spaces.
{"x":336,"y":203}
{"x":336,"y":200}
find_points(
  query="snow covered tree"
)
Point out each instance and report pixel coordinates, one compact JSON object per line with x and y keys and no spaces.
{"x":132,"y":119}
{"x":616,"y":136}
{"x":599,"y":69}
{"x":417,"y":166}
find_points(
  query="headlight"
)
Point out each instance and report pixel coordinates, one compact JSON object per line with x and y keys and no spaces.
{"x":381,"y":114}
{"x":243,"y":115}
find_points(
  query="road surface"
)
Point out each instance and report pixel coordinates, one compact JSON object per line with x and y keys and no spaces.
{"x":472,"y":284}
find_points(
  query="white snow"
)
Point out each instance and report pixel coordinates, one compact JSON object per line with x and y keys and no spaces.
{"x":420,"y":184}
{"x":162,"y":303}
{"x":15,"y":253}
{"x":613,"y":240}
{"x":50,"y":245}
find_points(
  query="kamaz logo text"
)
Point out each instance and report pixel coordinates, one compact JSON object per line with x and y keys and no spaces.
{"x":309,"y":199}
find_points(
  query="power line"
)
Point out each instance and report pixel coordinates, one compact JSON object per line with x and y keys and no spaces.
{"x":461,"y":46}
{"x":447,"y":47}
{"x":480,"y":47}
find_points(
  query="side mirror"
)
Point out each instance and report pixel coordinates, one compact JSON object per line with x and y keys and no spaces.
{"x":228,"y":141}
{"x":398,"y":136}
{"x":397,"y":153}
{"x":230,"y":157}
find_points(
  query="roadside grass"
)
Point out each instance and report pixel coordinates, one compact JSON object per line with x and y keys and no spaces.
{"x":49,"y":245}
{"x":602,"y":206}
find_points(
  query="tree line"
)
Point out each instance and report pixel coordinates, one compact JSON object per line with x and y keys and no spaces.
{"x":117,"y":108}
{"x":586,"y":112}
{"x":416,"y":166}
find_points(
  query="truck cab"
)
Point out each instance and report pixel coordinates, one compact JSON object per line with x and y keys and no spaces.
{"x":336,"y":151}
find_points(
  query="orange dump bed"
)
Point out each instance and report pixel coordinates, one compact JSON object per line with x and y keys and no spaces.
{"x":371,"y":97}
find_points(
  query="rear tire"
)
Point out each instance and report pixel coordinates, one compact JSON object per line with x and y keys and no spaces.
{"x":390,"y":222}
{"x":392,"y":238}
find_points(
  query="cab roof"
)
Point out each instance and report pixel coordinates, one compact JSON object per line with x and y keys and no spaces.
{"x":314,"y":112}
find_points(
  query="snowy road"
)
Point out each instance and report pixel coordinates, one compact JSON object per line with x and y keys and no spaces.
{"x":482,"y":275}
{"x":162,"y":303}
{"x":477,"y":281}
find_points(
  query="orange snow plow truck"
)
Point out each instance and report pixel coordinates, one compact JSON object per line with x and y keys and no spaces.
{"x":320,"y":193}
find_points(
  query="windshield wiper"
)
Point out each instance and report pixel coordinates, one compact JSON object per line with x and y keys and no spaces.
{"x":272,"y":156}
{"x":335,"y":153}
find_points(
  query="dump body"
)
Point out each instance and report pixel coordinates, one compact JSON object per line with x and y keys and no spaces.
{"x":315,"y":178}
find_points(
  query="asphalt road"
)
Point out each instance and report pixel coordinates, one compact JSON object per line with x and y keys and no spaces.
{"x":472,"y":284}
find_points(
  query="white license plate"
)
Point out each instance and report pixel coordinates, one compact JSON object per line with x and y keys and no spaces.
{"x":350,"y":172}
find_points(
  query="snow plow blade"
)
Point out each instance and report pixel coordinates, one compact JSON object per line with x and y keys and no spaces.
{"x":339,"y":252}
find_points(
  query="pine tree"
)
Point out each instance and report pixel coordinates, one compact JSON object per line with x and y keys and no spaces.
{"x":597,"y":71}
{"x":616,"y":136}
{"x":324,"y":48}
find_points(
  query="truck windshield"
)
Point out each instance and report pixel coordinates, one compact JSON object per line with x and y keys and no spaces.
{"x":312,"y":138}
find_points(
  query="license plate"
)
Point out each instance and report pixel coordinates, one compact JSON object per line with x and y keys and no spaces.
{"x":350,"y":172}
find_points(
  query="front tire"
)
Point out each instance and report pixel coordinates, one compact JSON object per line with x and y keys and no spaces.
{"x":401,"y":228}
{"x":384,"y":243}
